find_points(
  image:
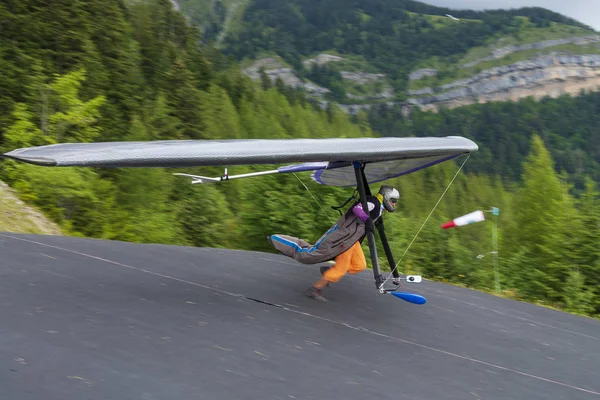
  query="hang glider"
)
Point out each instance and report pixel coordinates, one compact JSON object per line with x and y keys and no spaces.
{"x":330,"y":160}
{"x":334,"y":162}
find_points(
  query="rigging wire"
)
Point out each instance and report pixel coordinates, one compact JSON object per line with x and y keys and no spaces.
{"x":425,"y":222}
{"x":420,"y":229}
{"x":316,"y":201}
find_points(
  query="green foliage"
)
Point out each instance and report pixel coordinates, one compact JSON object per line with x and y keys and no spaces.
{"x":78,"y":199}
{"x":394,"y":35}
{"x":521,"y":31}
{"x":568,"y":126}
{"x":24,"y":132}
{"x":587,"y":252}
{"x":205,"y":216}
{"x":185,"y":100}
{"x":328,"y":77}
{"x":109,"y":72}
{"x":544,"y":222}
{"x":579,"y":297}
{"x":62,"y":115}
{"x":74,"y":119}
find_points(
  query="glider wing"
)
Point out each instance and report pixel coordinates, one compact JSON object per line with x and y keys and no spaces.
{"x":330,"y":159}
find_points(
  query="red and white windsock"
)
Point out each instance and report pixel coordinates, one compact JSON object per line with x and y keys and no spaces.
{"x":476,"y":216}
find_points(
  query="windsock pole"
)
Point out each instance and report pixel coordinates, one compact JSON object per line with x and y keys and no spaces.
{"x":479,"y":216}
{"x":495,"y":211}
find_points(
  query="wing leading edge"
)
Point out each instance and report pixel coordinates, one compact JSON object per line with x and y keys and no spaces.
{"x":191,"y":153}
{"x":329,"y":159}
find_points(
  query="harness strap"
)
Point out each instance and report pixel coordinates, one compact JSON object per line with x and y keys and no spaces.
{"x":339,"y":208}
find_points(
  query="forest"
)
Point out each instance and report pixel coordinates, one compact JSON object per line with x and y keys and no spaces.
{"x":393,"y":35}
{"x":105,"y":71}
{"x":568,"y":125}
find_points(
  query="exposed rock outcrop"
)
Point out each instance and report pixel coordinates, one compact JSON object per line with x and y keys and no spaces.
{"x":506,"y":50}
{"x":274,"y":69}
{"x":354,"y":109}
{"x":386,"y":93}
{"x":321,"y":59}
{"x":547,"y":75}
{"x":551,"y":75}
{"x":422,"y":73}
{"x":421,"y":92}
{"x":361,"y":77}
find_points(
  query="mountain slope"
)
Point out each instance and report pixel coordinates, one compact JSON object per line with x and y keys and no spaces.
{"x":359,"y":52}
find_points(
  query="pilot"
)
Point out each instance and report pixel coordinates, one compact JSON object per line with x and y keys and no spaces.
{"x":341,"y":243}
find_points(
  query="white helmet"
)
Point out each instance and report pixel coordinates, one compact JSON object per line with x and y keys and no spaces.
{"x":390,"y":196}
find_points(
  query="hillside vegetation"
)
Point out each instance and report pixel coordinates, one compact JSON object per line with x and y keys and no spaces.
{"x":396,"y":54}
{"x":395,"y":38}
{"x":569,"y":126}
{"x":105,"y":71}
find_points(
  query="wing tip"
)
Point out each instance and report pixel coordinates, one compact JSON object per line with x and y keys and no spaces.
{"x":46,"y":162}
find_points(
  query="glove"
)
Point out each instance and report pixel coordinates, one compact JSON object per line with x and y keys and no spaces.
{"x":369,"y":226}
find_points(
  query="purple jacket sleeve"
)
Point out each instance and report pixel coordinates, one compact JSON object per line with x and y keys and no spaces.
{"x":359,"y":212}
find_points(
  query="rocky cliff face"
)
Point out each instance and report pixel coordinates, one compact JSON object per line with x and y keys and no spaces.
{"x":506,"y":50}
{"x":549,"y":75}
{"x":274,"y":69}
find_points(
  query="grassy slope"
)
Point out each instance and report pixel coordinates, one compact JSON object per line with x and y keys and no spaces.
{"x":17,"y":217}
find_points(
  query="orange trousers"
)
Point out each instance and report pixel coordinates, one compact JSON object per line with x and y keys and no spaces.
{"x":351,"y":261}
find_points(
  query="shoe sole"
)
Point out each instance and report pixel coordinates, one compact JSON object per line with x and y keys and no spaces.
{"x":314,"y":296}
{"x":318,"y":298}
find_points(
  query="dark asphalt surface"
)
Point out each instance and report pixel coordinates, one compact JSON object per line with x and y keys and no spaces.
{"x":91,"y":319}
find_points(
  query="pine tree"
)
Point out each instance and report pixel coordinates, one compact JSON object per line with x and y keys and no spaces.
{"x":544,"y":219}
{"x":74,"y":119}
{"x":143,"y":195}
{"x":587,"y":252}
{"x":162,"y":120}
{"x":221,"y":118}
{"x":185,"y":100}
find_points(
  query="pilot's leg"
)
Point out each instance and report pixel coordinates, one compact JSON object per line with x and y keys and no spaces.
{"x":300,"y":250}
{"x":342,"y":265}
{"x":354,"y":258}
{"x":358,"y":261}
{"x":288,"y":245}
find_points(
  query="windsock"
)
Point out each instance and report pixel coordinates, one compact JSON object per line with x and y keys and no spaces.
{"x":476,"y":216}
